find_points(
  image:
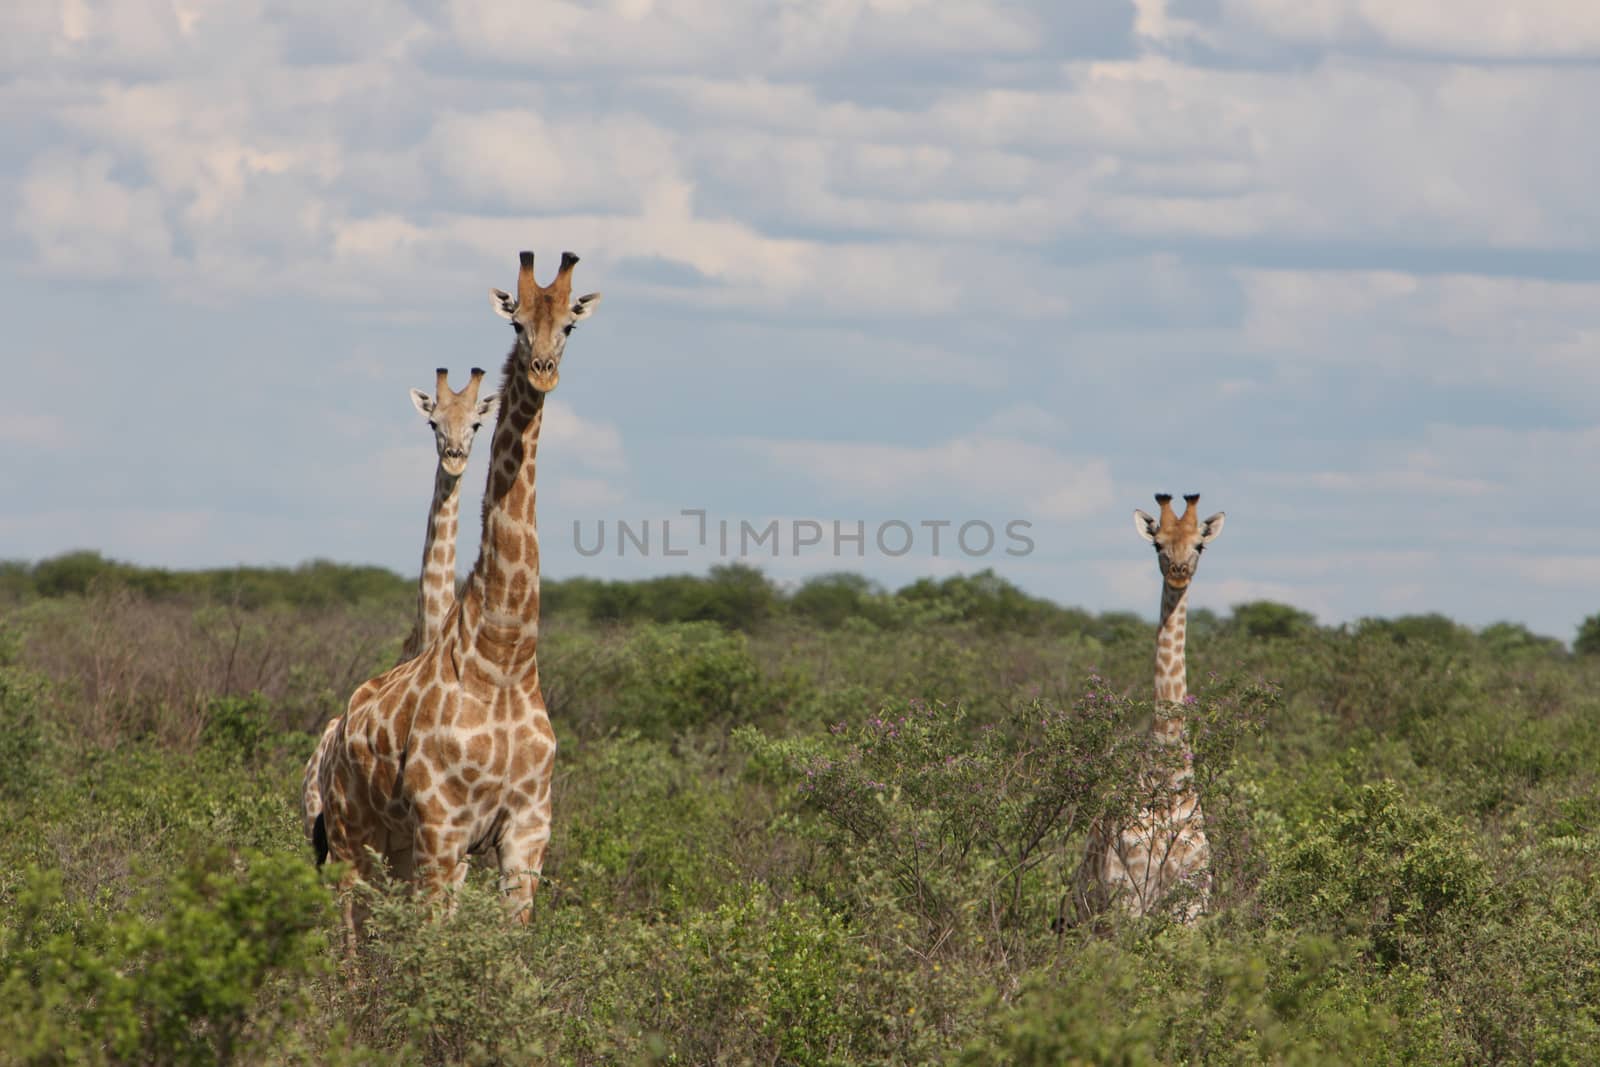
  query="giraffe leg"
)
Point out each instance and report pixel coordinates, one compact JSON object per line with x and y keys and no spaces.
{"x":440,"y":858}
{"x":356,"y":852}
{"x":522,"y":848}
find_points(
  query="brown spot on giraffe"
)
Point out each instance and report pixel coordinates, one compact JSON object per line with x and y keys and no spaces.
{"x":484,"y":658}
{"x":1136,"y":866}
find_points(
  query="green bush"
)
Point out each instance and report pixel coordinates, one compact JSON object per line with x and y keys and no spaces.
{"x":24,"y":742}
{"x":645,"y":835}
{"x":1587,"y":642}
{"x":1266,"y":619}
{"x":183,"y":976}
{"x":1382,"y":865}
{"x":1194,"y":999}
{"x":974,"y":830}
{"x":673,"y":678}
{"x":1405,"y":864}
{"x":239,"y":726}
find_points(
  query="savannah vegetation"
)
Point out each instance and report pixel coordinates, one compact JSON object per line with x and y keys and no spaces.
{"x":828,"y":825}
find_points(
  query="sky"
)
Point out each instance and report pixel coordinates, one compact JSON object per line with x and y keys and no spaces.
{"x":1334,"y":264}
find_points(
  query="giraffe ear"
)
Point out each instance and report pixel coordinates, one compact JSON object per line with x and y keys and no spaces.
{"x":504,"y":304}
{"x":1211,"y":527}
{"x":1144,"y":525}
{"x":423,"y":403}
{"x":488,"y":407}
{"x":585,"y":306}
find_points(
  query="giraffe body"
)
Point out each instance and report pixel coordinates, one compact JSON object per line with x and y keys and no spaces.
{"x":455,"y":418}
{"x":1136,"y":866}
{"x":452,"y":752}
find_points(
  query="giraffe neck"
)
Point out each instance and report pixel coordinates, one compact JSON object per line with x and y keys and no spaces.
{"x":436,"y":589}
{"x":500,"y":607}
{"x":1171,"y":674}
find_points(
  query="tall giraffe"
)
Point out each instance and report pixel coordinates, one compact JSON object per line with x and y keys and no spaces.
{"x":1136,"y":865}
{"x":455,"y":419}
{"x":451,"y":752}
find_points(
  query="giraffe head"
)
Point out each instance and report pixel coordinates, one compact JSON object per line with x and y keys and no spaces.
{"x":455,"y":418}
{"x":1179,"y":539}
{"x":543,"y":316}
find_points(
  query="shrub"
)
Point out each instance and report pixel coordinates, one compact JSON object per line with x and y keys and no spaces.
{"x":672,"y":678}
{"x":239,"y":726}
{"x":24,"y":744}
{"x":1266,"y":619}
{"x":180,"y":977}
{"x":975,"y":830}
{"x":1383,"y":865}
{"x":1587,"y":642}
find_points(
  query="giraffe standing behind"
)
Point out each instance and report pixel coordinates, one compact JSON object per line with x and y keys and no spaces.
{"x":455,"y":419}
{"x":1136,"y":865}
{"x":452,"y":752}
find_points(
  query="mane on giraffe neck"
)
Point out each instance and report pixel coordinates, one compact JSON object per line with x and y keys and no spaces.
{"x":1172,"y":687}
{"x":499,"y":609}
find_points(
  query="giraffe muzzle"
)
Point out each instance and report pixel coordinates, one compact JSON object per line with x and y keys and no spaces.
{"x":543,"y":374}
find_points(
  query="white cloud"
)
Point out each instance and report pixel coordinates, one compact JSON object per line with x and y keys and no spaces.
{"x":695,"y":35}
{"x":525,"y":161}
{"x":1524,"y":30}
{"x":85,"y":222}
{"x":590,"y":443}
{"x":993,"y":471}
{"x":1455,"y":328}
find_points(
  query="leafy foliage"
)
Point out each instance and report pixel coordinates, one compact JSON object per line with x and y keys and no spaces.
{"x":828,"y":825}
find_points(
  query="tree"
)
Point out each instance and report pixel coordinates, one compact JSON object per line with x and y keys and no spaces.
{"x":1588,"y":642}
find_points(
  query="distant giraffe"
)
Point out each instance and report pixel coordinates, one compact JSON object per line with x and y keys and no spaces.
{"x":454,"y":419}
{"x":452,"y":752}
{"x":1135,"y":866}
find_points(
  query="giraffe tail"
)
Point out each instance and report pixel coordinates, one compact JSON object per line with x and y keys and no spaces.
{"x":319,"y":838}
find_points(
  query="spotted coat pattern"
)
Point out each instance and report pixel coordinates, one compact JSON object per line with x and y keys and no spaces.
{"x":452,"y":752}
{"x":1138,"y":865}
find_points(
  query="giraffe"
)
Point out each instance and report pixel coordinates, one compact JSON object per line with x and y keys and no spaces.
{"x":455,"y":419}
{"x":1164,"y":845}
{"x":451,"y":752}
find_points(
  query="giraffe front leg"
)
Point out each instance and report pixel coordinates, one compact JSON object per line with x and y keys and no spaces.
{"x":522,"y":845}
{"x":439,"y":855}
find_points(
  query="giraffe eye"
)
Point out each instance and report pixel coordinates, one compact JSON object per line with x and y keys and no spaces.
{"x":567,"y":329}
{"x":432,"y":425}
{"x":516,"y":326}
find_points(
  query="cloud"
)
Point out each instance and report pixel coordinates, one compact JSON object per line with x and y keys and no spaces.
{"x":663,"y":36}
{"x":1523,"y":333}
{"x":1559,"y":572}
{"x":86,"y":223}
{"x":1483,"y":28}
{"x":1417,"y":482}
{"x":590,"y":443}
{"x":994,"y":471}
{"x":521,"y":160}
{"x":33,"y":430}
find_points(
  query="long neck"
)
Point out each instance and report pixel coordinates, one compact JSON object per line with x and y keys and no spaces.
{"x":500,"y":608}
{"x":1171,"y":675}
{"x":436,"y":589}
